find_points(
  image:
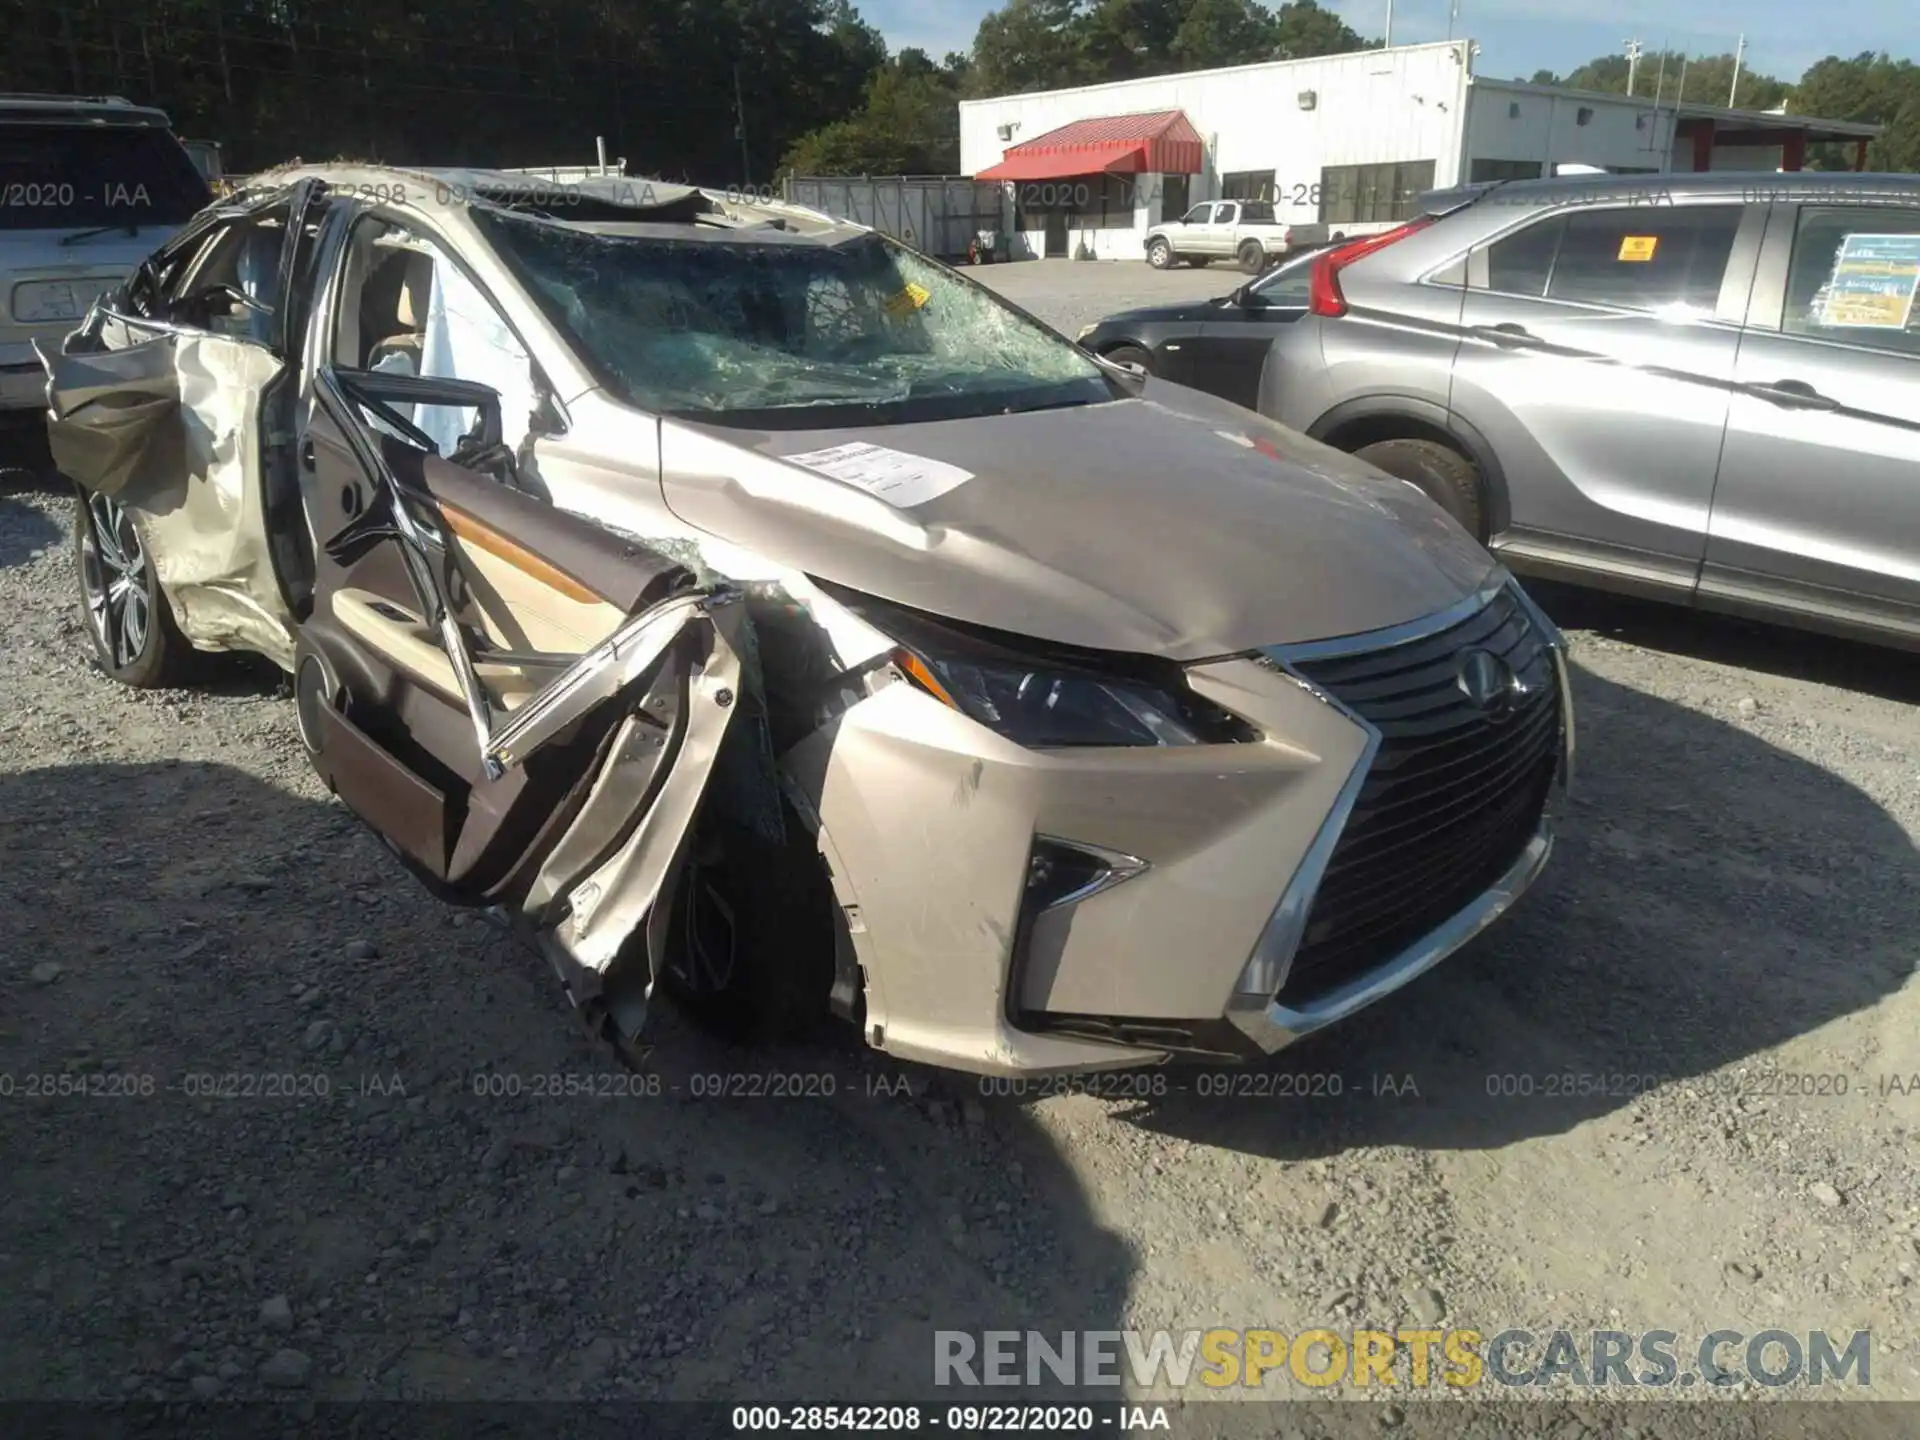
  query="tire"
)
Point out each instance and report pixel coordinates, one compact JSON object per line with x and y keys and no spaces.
{"x":751,"y":943}
{"x":1440,"y":472}
{"x":1253,"y":257}
{"x":1199,"y":262}
{"x":1159,"y":254}
{"x":127,"y":618}
{"x":1131,"y":355}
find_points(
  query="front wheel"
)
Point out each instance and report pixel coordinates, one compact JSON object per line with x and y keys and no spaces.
{"x":135,"y":639}
{"x":1438,"y":471}
{"x":1159,"y":254}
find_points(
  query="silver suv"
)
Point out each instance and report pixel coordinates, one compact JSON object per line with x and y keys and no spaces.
{"x":89,"y":186}
{"x":1703,"y":388}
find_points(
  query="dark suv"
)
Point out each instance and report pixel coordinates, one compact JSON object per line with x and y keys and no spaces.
{"x":1697,"y":387}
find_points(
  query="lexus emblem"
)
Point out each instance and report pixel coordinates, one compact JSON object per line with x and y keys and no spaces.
{"x":1486,"y":680}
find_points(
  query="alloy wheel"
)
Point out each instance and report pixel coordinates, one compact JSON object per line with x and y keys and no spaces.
{"x":118,"y":579}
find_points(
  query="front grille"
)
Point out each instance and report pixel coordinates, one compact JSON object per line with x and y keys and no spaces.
{"x":1454,"y":795}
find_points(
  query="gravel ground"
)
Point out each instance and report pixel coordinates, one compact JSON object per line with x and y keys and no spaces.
{"x":1730,"y":921}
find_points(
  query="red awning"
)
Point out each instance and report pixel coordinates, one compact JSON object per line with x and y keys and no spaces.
{"x":1160,"y":142}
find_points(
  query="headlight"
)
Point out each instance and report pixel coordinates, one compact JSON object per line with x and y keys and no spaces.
{"x":1045,"y":708}
{"x":1039,"y":694}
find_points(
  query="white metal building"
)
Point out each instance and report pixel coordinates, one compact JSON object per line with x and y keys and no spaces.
{"x":1349,"y":140}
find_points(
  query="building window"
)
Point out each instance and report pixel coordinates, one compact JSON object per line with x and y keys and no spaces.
{"x":1247,"y":185}
{"x":1486,"y":170}
{"x":1363,"y":194}
{"x":1087,"y":202}
{"x":1633,"y":169}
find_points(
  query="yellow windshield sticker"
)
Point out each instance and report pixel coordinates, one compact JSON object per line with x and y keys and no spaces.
{"x":1638,"y":247}
{"x":911,"y":298}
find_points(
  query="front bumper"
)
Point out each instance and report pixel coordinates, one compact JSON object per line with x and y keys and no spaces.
{"x":929,"y":825}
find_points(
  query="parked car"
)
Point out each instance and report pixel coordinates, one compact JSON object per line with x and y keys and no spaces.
{"x":88,"y":185}
{"x":733,"y":596}
{"x":1704,"y":392}
{"x":1214,"y":345}
{"x":1245,"y":231}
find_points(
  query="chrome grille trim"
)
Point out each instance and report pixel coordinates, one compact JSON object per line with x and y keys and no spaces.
{"x":1408,"y":734}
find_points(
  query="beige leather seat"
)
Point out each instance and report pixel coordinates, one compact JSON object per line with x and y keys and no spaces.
{"x":407,"y":331}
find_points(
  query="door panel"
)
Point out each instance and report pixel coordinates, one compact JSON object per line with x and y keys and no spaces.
{"x":1596,"y":356}
{"x":1233,"y":348}
{"x":476,"y":662}
{"x":1818,"y":500}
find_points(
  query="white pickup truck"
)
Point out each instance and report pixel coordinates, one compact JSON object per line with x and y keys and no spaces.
{"x":1243,"y":230}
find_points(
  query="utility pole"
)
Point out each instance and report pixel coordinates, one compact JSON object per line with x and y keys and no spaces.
{"x":1633,"y":63}
{"x":1387,"y":44}
{"x":1739,"y":54}
{"x":1453,"y":14}
{"x":740,"y":128}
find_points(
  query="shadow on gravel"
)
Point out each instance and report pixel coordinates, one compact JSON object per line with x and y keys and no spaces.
{"x":24,"y":532}
{"x":1711,"y":896}
{"x":1745,"y":644}
{"x":247,"y":1059}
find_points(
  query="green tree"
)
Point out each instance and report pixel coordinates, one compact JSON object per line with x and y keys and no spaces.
{"x":1302,"y":30}
{"x":1673,"y":76}
{"x":1223,"y":32}
{"x":1030,"y":45}
{"x":1871,"y":88}
{"x":909,"y":125}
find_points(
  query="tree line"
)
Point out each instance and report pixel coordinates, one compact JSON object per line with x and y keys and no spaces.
{"x":726,"y":91}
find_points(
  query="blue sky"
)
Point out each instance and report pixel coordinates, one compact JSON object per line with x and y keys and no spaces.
{"x":1518,"y":37}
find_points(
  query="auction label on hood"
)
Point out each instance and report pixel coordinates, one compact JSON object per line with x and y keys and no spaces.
{"x":894,"y":476}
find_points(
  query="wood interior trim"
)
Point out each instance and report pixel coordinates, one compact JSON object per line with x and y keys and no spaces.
{"x":478,"y":533}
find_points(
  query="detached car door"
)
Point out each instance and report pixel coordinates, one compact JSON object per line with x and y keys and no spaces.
{"x":1818,"y":501}
{"x":524,"y":705}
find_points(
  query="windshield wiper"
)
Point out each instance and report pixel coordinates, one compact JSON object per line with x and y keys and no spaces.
{"x":79,"y":235}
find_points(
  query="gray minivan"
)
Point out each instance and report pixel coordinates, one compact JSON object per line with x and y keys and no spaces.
{"x":89,"y":186}
{"x":1702,"y":388}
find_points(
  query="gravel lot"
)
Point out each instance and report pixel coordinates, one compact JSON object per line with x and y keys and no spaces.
{"x":1734,"y":912}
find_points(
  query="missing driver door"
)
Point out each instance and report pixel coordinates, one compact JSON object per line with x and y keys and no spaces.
{"x":522,"y":704}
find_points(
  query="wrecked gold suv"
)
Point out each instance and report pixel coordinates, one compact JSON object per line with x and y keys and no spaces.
{"x":734,"y":598}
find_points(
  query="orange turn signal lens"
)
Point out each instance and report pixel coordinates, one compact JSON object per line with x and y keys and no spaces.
{"x":916,"y":670}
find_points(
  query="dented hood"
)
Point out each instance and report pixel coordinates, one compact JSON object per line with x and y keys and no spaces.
{"x":1171,"y":524}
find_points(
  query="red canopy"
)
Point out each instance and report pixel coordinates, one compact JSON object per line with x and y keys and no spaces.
{"x":1160,"y":142}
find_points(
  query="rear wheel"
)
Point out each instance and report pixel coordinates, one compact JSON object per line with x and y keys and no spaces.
{"x":1159,"y":253}
{"x":751,"y":946}
{"x":1440,"y":472}
{"x":1131,"y":355}
{"x":128,"y":619}
{"x":1253,"y":257}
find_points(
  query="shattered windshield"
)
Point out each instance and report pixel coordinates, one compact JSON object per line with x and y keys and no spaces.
{"x":728,"y":328}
